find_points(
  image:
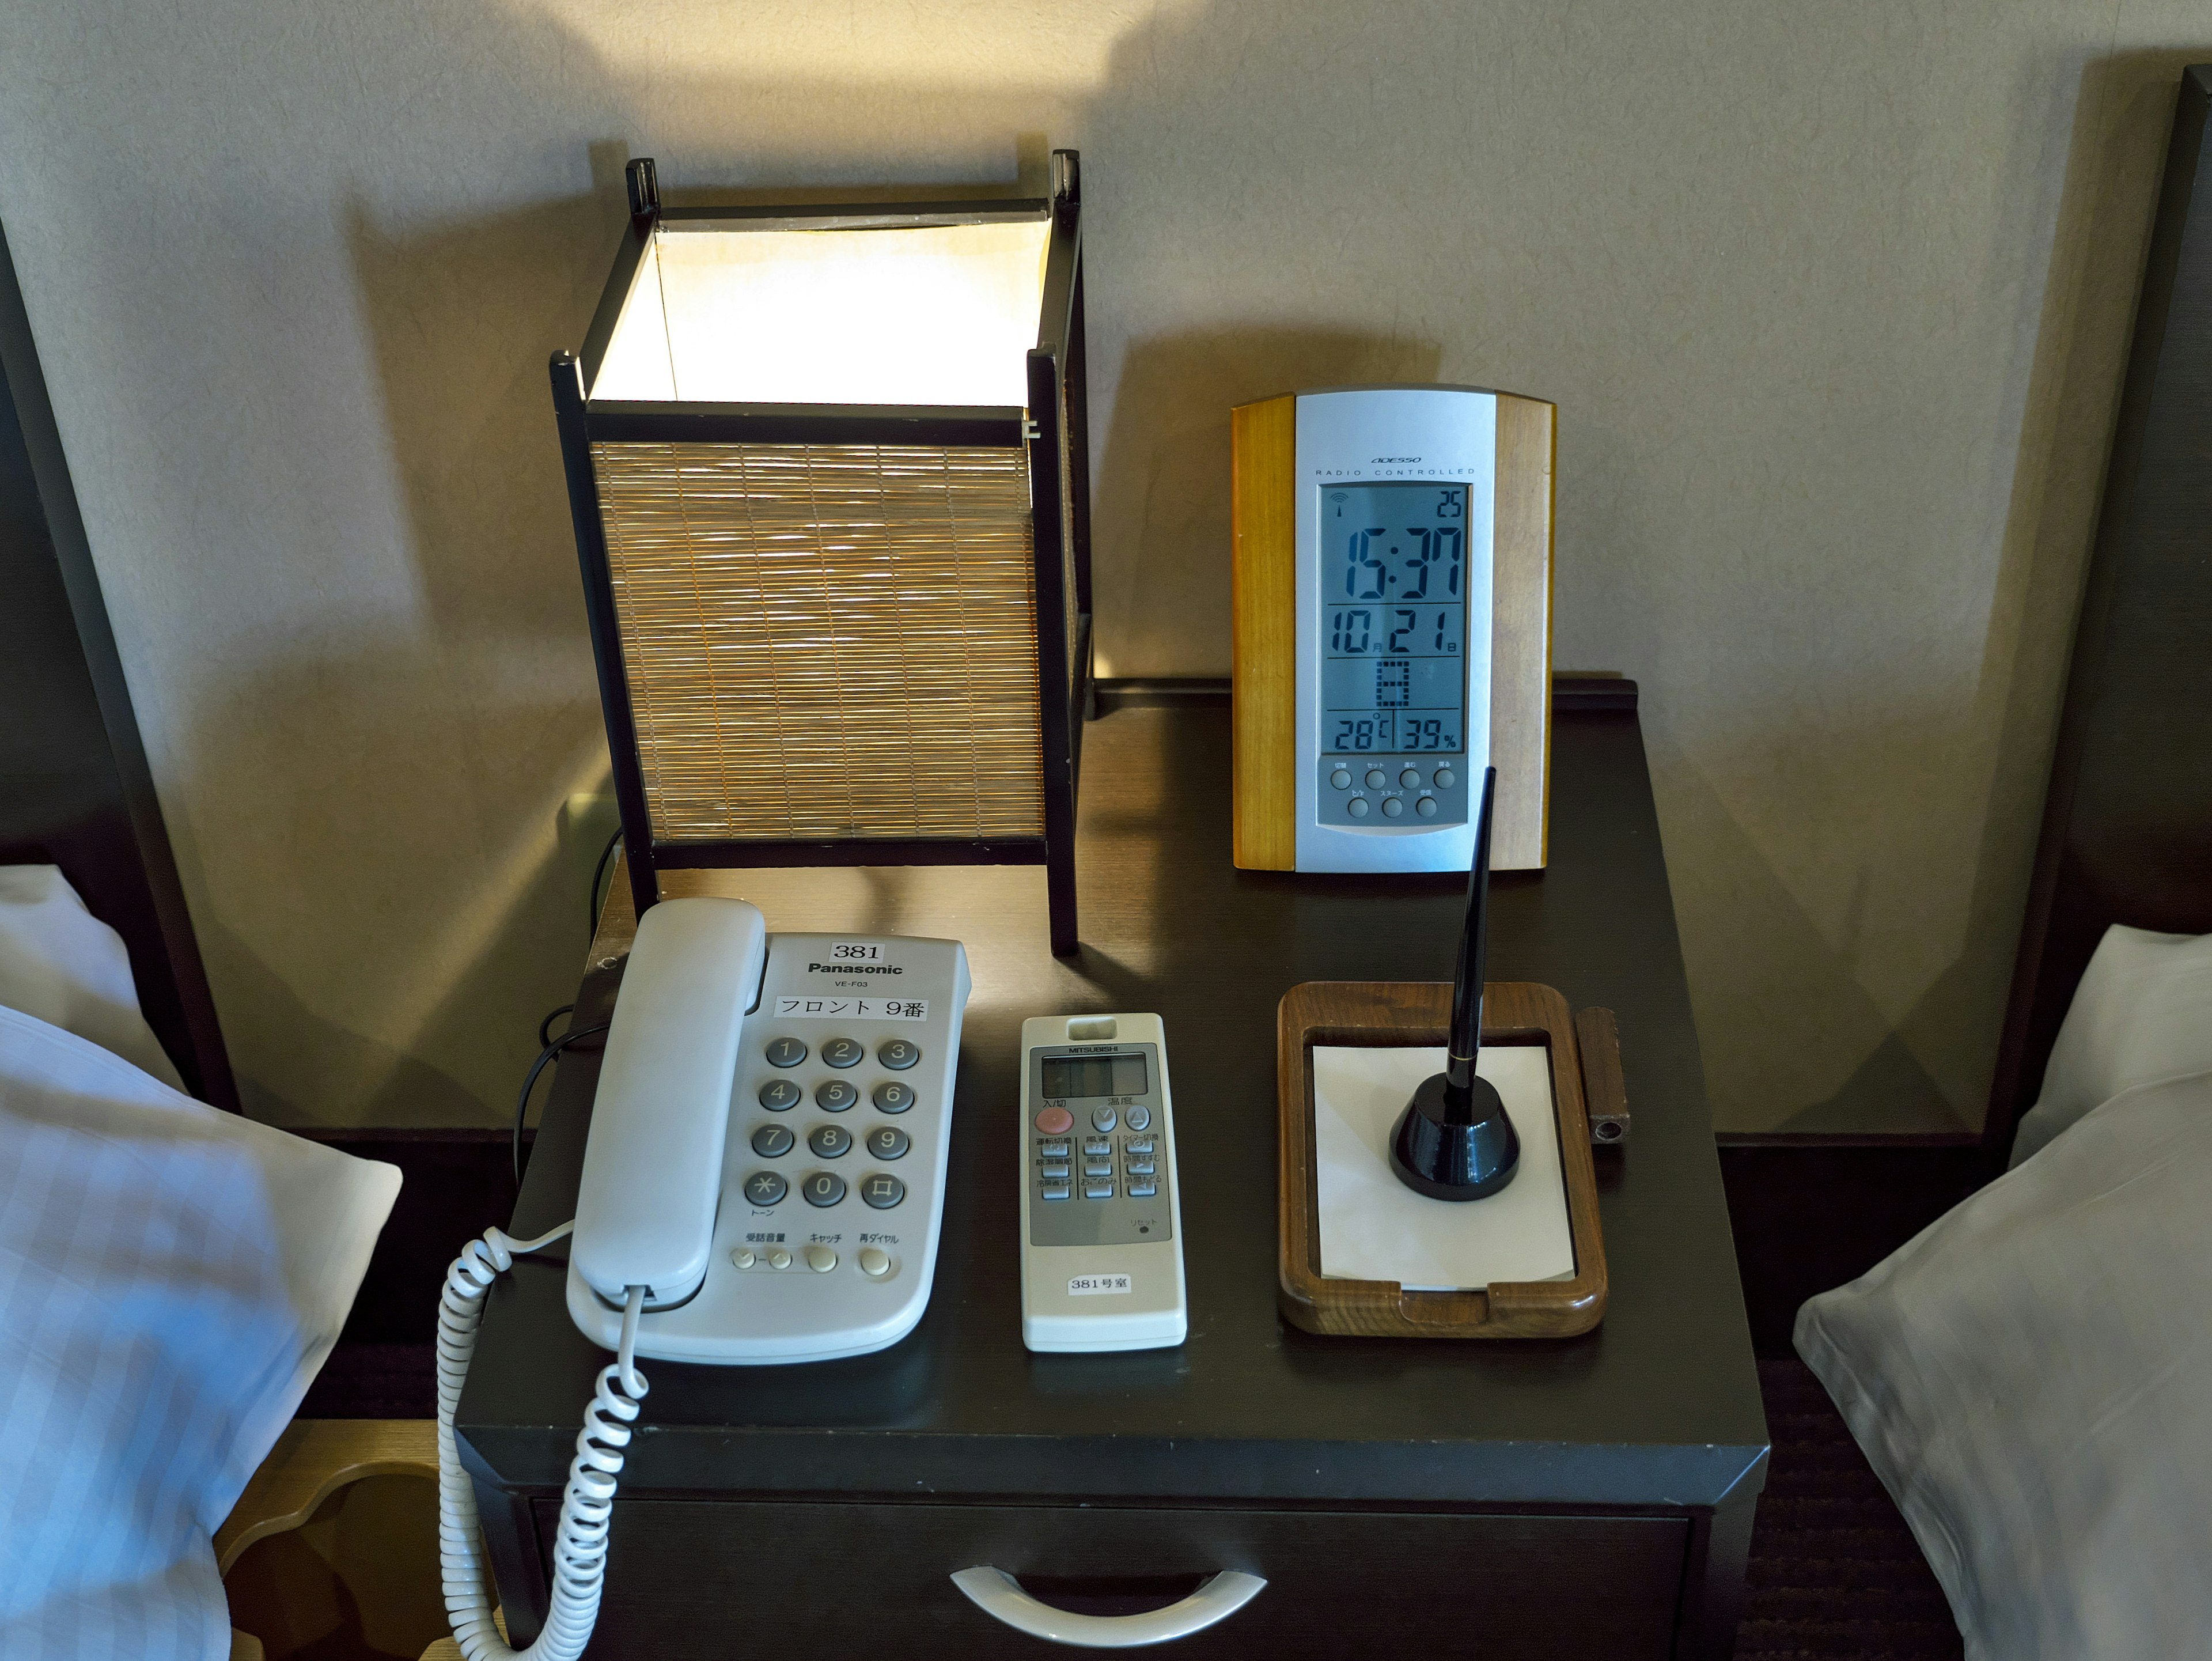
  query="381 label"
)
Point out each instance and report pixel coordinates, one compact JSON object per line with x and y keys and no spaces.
{"x":1096,"y":1285}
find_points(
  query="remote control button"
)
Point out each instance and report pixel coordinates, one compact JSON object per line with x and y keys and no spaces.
{"x":785,"y":1052}
{"x":1052,"y":1150}
{"x":875,"y":1262}
{"x":742,"y":1257}
{"x":779,"y":1095}
{"x":1340,"y":779}
{"x":765,"y":1188}
{"x":1103,"y":1118}
{"x":1138,"y":1117}
{"x":1394,"y":808}
{"x":778,"y":1257}
{"x":1426,"y":807}
{"x":1097,"y":1146}
{"x":883,"y":1191}
{"x":823,"y":1187}
{"x":771,"y":1142}
{"x":1092,"y":1190}
{"x":821,"y":1259}
{"x":1409,"y":778}
{"x":1376,"y":778}
{"x":1142,"y":1191}
{"x":1057,"y":1190}
{"x":835,"y":1095}
{"x":1101,"y":1168}
{"x":1054,"y":1121}
{"x":842,"y":1052}
{"x":892,"y":1097}
{"x":830,"y":1141}
{"x":1357,"y":807}
{"x":1142,"y":1168}
{"x":887,"y":1142}
{"x":898,"y":1053}
{"x":1141,"y":1147}
{"x":1446,"y":778}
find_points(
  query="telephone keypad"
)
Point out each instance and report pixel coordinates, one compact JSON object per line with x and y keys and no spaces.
{"x":842,"y":1052}
{"x":898,"y":1053}
{"x":886,"y":1142}
{"x":765,"y":1188}
{"x":779,"y":1095}
{"x":785,"y":1052}
{"x":771,"y":1142}
{"x":835,"y":1095}
{"x":822,"y":1188}
{"x":830,"y":1141}
{"x":883,"y":1191}
{"x":892,"y":1097}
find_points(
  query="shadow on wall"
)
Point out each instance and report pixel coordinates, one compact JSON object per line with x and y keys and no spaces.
{"x":1793,"y":1039}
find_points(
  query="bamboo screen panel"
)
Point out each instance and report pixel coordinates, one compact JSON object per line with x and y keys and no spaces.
{"x":827,"y":641}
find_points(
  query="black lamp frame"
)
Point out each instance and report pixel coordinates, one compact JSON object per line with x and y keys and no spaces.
{"x":1060,"y":508}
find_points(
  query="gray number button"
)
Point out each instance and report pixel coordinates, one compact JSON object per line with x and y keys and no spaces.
{"x":771,"y":1142}
{"x":830,"y":1140}
{"x":779,"y":1095}
{"x":892,"y":1097}
{"x":888,"y":1142}
{"x":822,"y":1188}
{"x":836,"y":1096}
{"x":785,"y":1052}
{"x":883,"y":1191}
{"x":765,"y":1188}
{"x":897,"y":1054}
{"x":842,"y":1052}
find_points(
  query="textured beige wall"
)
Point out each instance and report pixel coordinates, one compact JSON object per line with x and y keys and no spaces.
{"x":1831,"y":300}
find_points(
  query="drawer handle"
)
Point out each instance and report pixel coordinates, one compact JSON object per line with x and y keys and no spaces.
{"x":997,"y":1594}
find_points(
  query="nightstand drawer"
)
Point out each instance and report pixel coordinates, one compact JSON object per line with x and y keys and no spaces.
{"x":692,"y":1578}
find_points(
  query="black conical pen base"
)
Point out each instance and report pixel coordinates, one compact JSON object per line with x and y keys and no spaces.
{"x":1455,"y":1150}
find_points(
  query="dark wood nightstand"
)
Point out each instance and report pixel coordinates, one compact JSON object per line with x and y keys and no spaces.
{"x":1590,"y":1497}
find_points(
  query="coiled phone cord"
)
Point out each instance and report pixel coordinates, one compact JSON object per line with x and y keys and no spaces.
{"x":580,"y":1547}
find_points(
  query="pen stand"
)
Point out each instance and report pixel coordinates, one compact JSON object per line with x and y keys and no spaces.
{"x":1401,"y":1015}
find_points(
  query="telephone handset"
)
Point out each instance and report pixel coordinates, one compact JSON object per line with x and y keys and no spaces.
{"x":768,"y":1142}
{"x":702,"y":1232}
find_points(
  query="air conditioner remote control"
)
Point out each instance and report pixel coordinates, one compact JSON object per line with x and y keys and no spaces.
{"x":1101,"y":1221}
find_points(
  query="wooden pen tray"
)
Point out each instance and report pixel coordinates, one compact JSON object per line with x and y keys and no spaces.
{"x":1399,"y":1014}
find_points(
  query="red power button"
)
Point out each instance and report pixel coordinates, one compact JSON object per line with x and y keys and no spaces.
{"x":1055,"y":1122}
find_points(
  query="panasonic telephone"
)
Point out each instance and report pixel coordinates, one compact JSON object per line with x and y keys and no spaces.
{"x":763,"y":1183}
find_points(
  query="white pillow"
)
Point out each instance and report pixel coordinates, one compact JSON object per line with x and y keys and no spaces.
{"x":2029,"y":1378}
{"x":61,"y":964}
{"x":2143,"y":1012}
{"x":171,"y":1279}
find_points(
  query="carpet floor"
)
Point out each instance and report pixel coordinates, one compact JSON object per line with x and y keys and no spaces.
{"x":1835,"y":1575}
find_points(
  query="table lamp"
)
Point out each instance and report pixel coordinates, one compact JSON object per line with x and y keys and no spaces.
{"x":828,"y":471}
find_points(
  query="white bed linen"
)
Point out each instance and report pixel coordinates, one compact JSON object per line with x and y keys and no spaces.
{"x":2029,"y":1376}
{"x":2143,"y":1012}
{"x":171,"y":1279}
{"x":61,"y":964}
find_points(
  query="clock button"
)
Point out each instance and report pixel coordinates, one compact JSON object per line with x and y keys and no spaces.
{"x":1446,"y":778}
{"x":1340,"y":779}
{"x":1426,"y":807}
{"x":1357,"y":807}
{"x":1410,"y":779}
{"x":1394,"y":808}
{"x":1375,"y":778}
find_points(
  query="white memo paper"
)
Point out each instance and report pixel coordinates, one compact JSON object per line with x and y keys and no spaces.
{"x":1373,"y":1227}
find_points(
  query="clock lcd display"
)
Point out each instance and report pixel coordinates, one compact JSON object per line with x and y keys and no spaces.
{"x":1393,"y":619}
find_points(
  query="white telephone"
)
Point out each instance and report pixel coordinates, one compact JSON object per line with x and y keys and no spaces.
{"x":768,"y":1142}
{"x":763,"y":1181}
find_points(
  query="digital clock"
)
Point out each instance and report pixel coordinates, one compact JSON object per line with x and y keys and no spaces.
{"x":1376,"y":528}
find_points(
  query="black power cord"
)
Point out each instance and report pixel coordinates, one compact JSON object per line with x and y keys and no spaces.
{"x":592,"y":923}
{"x":544,"y":1057}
